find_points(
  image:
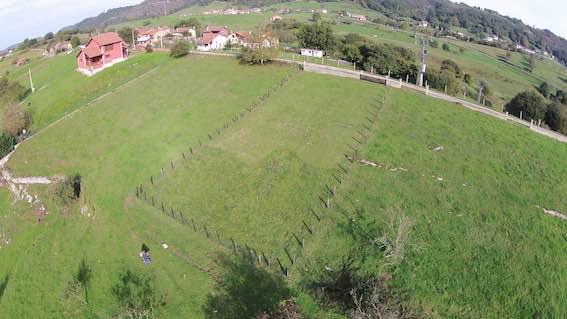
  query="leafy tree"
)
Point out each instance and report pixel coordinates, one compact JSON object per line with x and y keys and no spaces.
{"x":451,"y":66}
{"x":11,"y":91}
{"x":434,"y":44}
{"x":441,"y":79}
{"x":137,"y":295}
{"x":316,"y":17}
{"x":531,"y":63}
{"x":259,"y":55}
{"x":556,"y":117}
{"x":75,"y":41}
{"x":544,"y":89}
{"x":48,"y":36}
{"x":530,"y":103}
{"x":317,"y":36}
{"x":353,"y":38}
{"x":7,"y":143}
{"x":15,"y":120}
{"x":128,"y":35}
{"x":386,"y":58}
{"x":351,"y":53}
{"x":69,"y":190}
{"x":180,"y":49}
{"x":149,"y":48}
{"x":83,"y":276}
{"x":192,"y":23}
{"x":446,"y":47}
{"x":508,"y":55}
{"x":560,"y":97}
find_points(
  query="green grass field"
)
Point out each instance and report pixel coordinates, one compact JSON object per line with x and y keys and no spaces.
{"x":480,"y":245}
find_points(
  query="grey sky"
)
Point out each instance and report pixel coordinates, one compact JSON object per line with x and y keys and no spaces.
{"x":20,"y":19}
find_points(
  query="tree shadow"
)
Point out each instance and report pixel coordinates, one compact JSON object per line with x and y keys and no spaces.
{"x":3,"y":285}
{"x":246,"y":290}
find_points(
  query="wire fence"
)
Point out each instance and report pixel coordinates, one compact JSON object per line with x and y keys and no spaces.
{"x":292,"y":248}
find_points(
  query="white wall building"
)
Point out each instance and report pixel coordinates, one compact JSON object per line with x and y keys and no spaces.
{"x":312,"y":52}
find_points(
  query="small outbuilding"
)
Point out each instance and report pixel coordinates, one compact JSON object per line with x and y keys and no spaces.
{"x":312,"y":52}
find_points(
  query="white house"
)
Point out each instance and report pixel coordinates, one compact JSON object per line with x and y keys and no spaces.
{"x":312,"y":52}
{"x":212,"y":41}
{"x":423,"y":24}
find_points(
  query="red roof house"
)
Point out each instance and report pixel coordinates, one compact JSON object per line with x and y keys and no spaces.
{"x":102,"y":51}
{"x":225,"y":31}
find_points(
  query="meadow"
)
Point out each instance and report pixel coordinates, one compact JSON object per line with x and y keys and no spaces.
{"x":479,"y":246}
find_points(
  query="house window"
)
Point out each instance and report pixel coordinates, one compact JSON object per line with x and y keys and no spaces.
{"x":109,"y":47}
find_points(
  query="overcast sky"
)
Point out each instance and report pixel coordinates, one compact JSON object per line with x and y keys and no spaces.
{"x":20,"y":19}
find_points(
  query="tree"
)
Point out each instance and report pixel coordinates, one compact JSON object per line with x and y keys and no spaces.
{"x":508,"y":55}
{"x":434,"y":44}
{"x":75,"y":41}
{"x":128,"y":35}
{"x":259,"y":55}
{"x":544,"y":89}
{"x":137,"y":295}
{"x":446,"y":47}
{"x":317,"y":36}
{"x":83,"y":276}
{"x":180,"y":49}
{"x":7,"y":143}
{"x":351,"y":53}
{"x":16,"y":119}
{"x":386,"y":58}
{"x":316,"y":17}
{"x":48,"y":36}
{"x":191,"y":22}
{"x":149,"y":48}
{"x":556,"y":117}
{"x":530,"y":103}
{"x":531,"y":63}
{"x":451,"y":66}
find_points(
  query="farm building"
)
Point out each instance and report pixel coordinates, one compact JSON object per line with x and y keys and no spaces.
{"x":276,"y":18}
{"x":102,"y":51}
{"x":212,"y":41}
{"x":358,"y":17}
{"x":312,"y":52}
{"x":225,"y":31}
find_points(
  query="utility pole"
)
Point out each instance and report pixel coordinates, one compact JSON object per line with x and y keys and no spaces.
{"x":422,"y":65}
{"x":31,"y":81}
{"x":480,"y":91}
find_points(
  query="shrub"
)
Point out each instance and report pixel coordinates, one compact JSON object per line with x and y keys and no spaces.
{"x":434,"y":44}
{"x":556,"y":117}
{"x":180,"y":49}
{"x":149,"y":48}
{"x":451,"y":66}
{"x":439,"y":79}
{"x":446,"y":47}
{"x":68,"y":190}
{"x":11,"y":91}
{"x":137,"y":295}
{"x":530,"y":103}
{"x":544,"y":89}
{"x":7,"y":143}
{"x":75,"y":41}
{"x":258,"y":55}
{"x":16,"y":119}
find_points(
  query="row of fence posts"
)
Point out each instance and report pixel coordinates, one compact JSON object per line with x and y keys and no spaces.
{"x":336,"y":178}
{"x":261,"y":258}
{"x":142,"y":194}
{"x":218,"y":131}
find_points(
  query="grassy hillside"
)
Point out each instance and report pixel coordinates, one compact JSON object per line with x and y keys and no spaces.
{"x":505,"y":79}
{"x":478,"y":245}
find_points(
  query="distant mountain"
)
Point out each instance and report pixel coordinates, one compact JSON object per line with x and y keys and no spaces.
{"x":444,"y":13}
{"x":147,"y":8}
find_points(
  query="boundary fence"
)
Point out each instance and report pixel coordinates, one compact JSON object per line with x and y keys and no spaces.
{"x":292,"y":248}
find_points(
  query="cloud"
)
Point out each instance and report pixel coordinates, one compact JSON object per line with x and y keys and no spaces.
{"x":32,"y":18}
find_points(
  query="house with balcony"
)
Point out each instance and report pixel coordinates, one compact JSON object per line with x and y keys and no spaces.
{"x":101,"y":52}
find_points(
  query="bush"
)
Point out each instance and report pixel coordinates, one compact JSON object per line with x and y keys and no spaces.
{"x":11,"y":91}
{"x":385,"y":58}
{"x":530,"y":103}
{"x":180,"y":49}
{"x":69,"y":190}
{"x":434,"y":44}
{"x":556,"y":117}
{"x":439,"y":79}
{"x":7,"y":143}
{"x":137,"y":295}
{"x":451,"y":66}
{"x":75,"y":41}
{"x":149,"y":48}
{"x":16,"y":119}
{"x":446,"y":47}
{"x":317,"y":36}
{"x":258,"y":55}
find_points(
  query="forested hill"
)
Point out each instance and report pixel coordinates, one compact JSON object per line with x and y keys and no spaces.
{"x":444,"y":14}
{"x":440,"y":13}
{"x":147,"y":8}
